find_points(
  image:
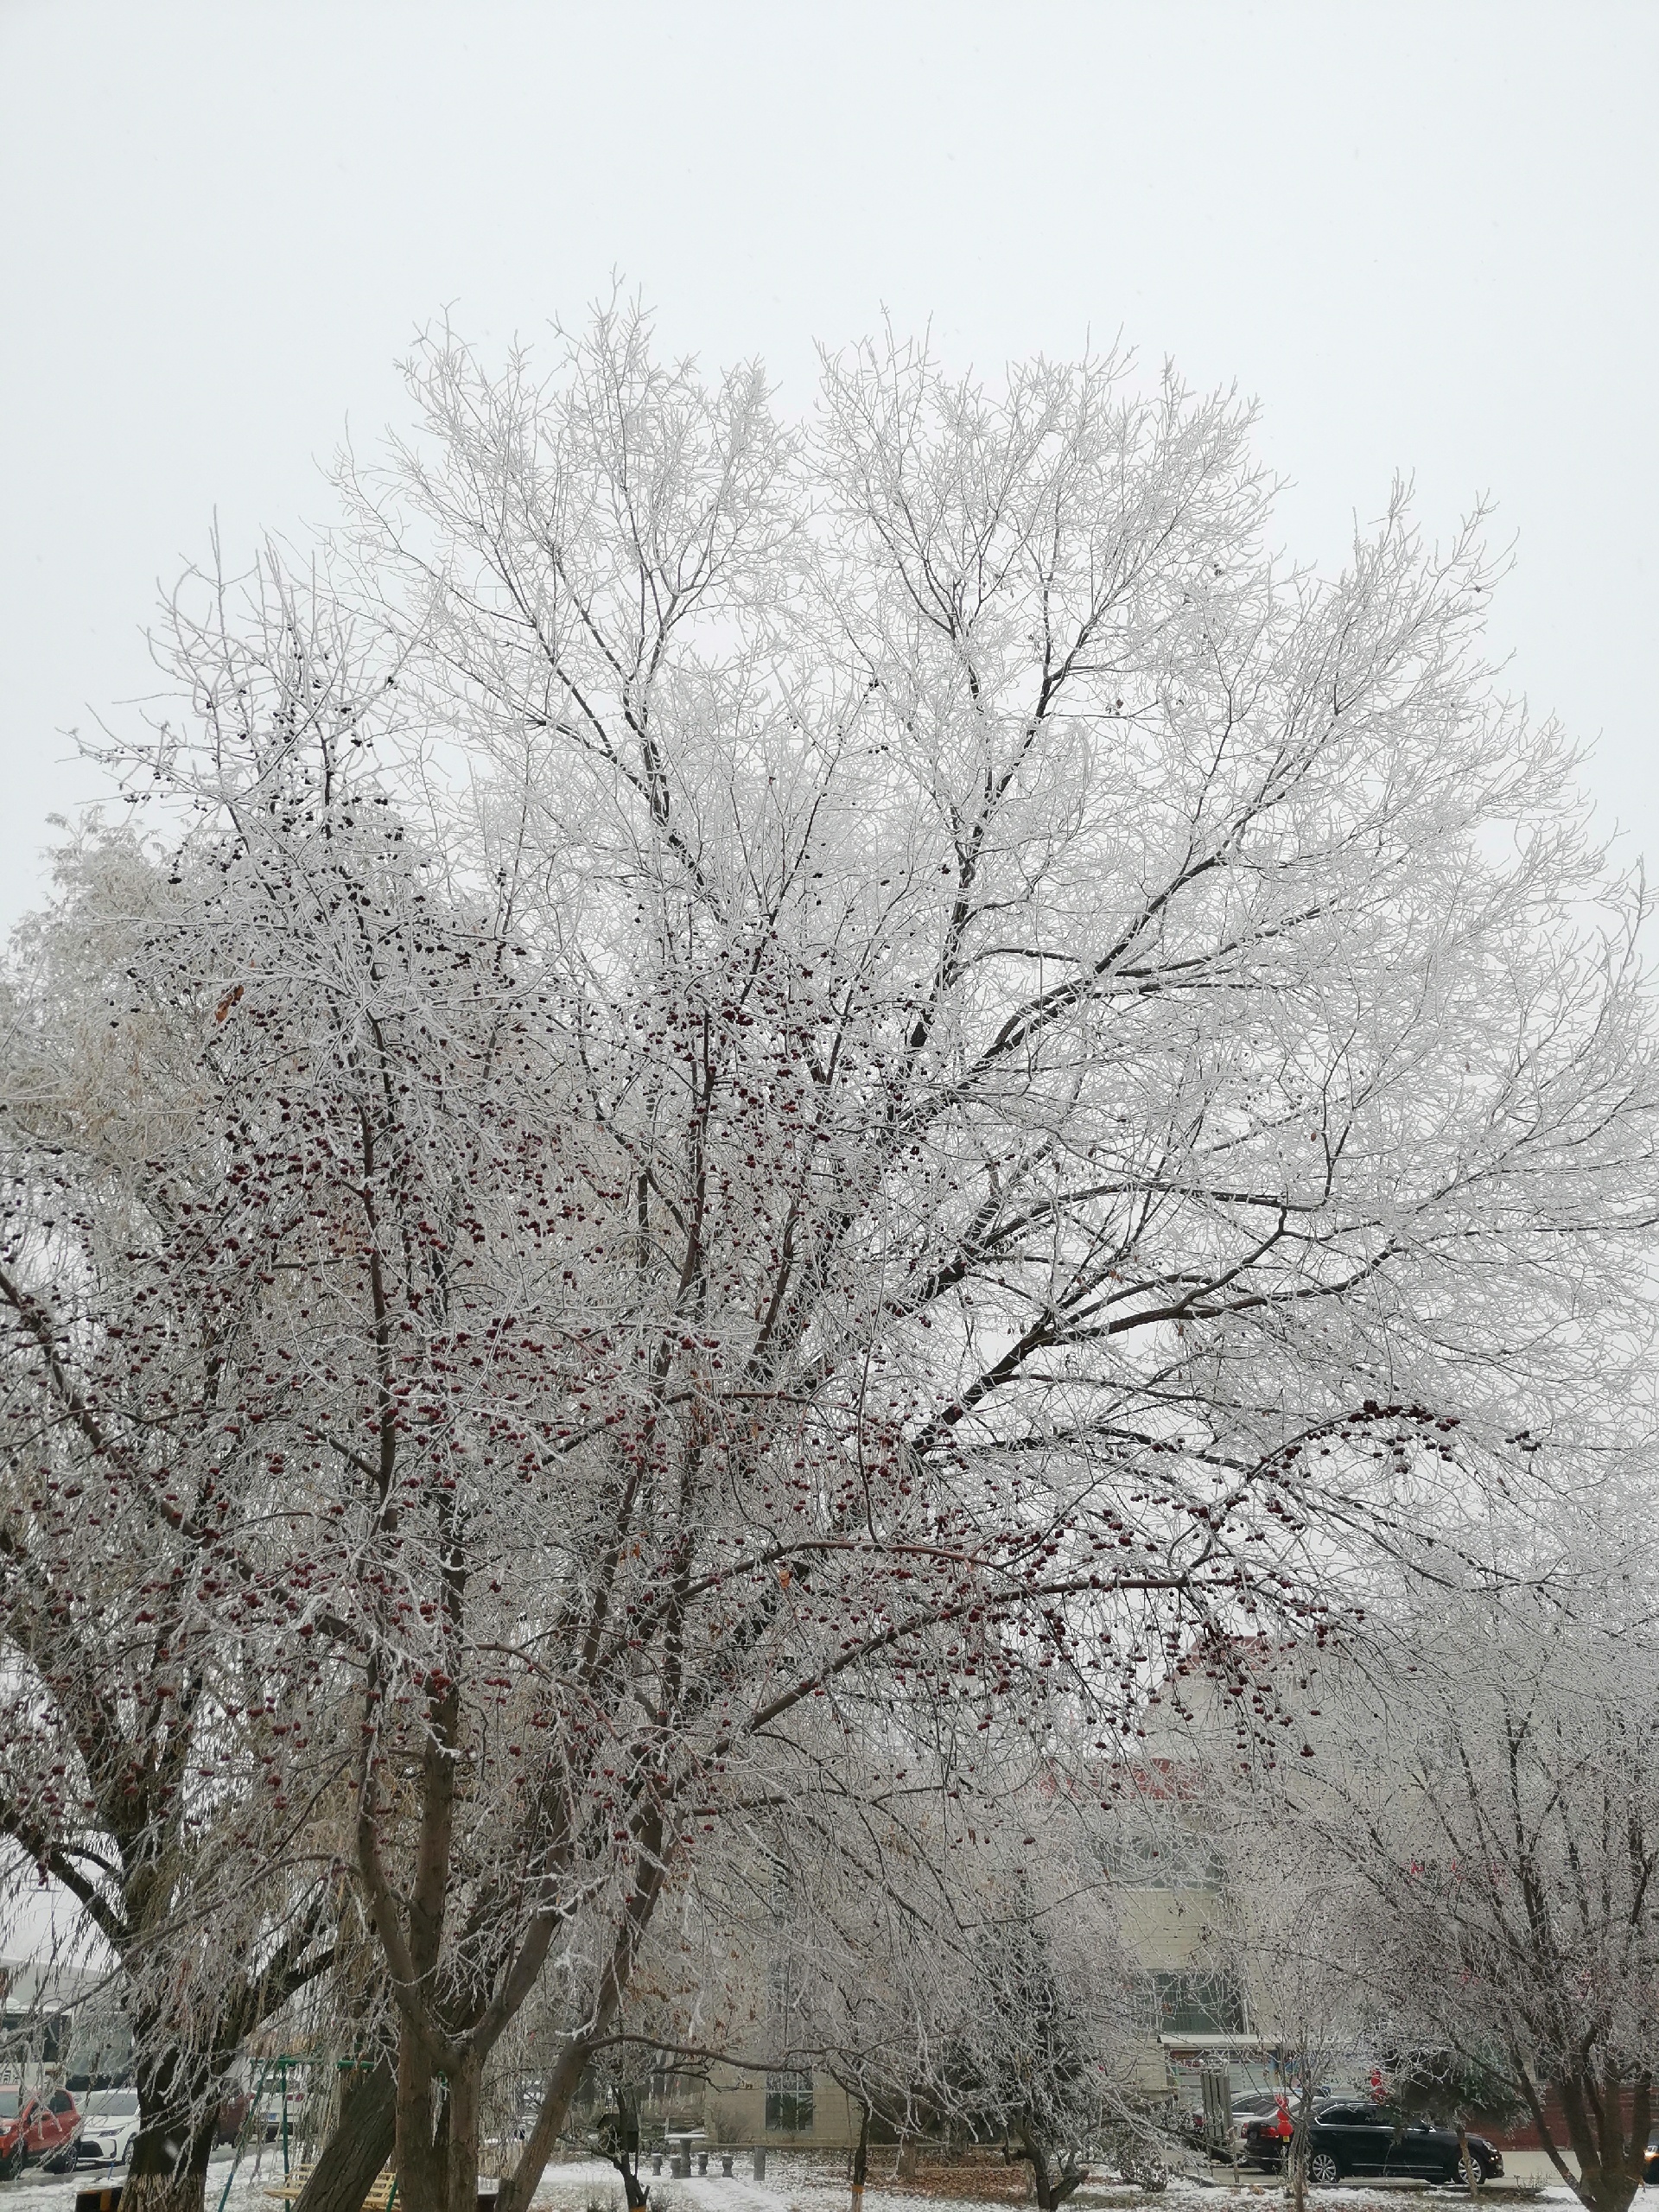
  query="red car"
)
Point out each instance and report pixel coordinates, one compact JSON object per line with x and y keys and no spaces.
{"x":42,"y":2123}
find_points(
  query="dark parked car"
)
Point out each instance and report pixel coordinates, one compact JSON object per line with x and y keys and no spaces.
{"x":34,"y":2125}
{"x":1256,"y":2104}
{"x":1263,"y":2133}
{"x":1650,"y":2163}
{"x":1251,"y":2104}
{"x":1261,"y":2106}
{"x":1360,"y":2137}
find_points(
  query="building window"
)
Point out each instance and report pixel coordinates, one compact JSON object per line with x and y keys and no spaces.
{"x":1164,"y":1862}
{"x":1197,"y":2004}
{"x":789,"y":2104}
{"x":34,"y":2037}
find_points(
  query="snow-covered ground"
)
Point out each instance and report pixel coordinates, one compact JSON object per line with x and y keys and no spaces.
{"x":794,"y":2183}
{"x":798,"y":2184}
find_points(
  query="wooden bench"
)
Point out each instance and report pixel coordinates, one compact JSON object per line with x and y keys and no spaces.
{"x":383,"y":2191}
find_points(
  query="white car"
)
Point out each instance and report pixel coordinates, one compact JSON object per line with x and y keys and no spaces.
{"x":269,"y":2118}
{"x":110,"y":2120}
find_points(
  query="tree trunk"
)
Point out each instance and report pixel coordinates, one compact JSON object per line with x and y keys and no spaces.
{"x":518,"y":2187}
{"x":1610,"y":2158}
{"x":359,"y":2146}
{"x":860,"y":2159}
{"x":1036,"y":2155}
{"x":624,"y":2152}
{"x":436,"y":2133}
{"x":1470,"y":2171}
{"x":1296,"y":2159}
{"x":635,"y":2195}
{"x":460,"y":2114}
{"x":418,"y":2154}
{"x":1296,"y":2149}
{"x":908,"y":2163}
{"x":167,"y":2175}
{"x":178,"y":2112}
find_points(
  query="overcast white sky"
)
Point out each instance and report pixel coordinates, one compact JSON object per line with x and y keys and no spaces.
{"x":1424,"y":237}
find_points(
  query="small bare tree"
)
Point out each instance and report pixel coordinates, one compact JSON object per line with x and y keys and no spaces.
{"x":1500,"y":1804}
{"x":1286,"y":1923}
{"x":942,"y":1937}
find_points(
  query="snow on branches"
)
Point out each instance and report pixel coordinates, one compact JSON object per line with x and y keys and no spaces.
{"x":779,"y":1078}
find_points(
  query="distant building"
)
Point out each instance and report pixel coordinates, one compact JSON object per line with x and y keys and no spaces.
{"x":1195,"y":2013}
{"x":60,"y":2023}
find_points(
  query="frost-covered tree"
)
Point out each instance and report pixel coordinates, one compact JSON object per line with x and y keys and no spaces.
{"x":858,"y":1075}
{"x":1495,"y":1799}
{"x":1046,"y":2042}
{"x":943,"y":1938}
{"x":1289,"y":1919}
{"x":149,"y":1715}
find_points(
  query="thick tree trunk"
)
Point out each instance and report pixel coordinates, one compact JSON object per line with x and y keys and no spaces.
{"x":460,"y":2112}
{"x":1036,"y":2156}
{"x":436,"y":2130}
{"x":1610,"y":2157}
{"x":177,"y":2113}
{"x":418,"y":2153}
{"x":360,"y":2145}
{"x":167,"y":2175}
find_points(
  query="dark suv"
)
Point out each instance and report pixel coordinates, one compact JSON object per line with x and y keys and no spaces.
{"x":1360,"y":2137}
